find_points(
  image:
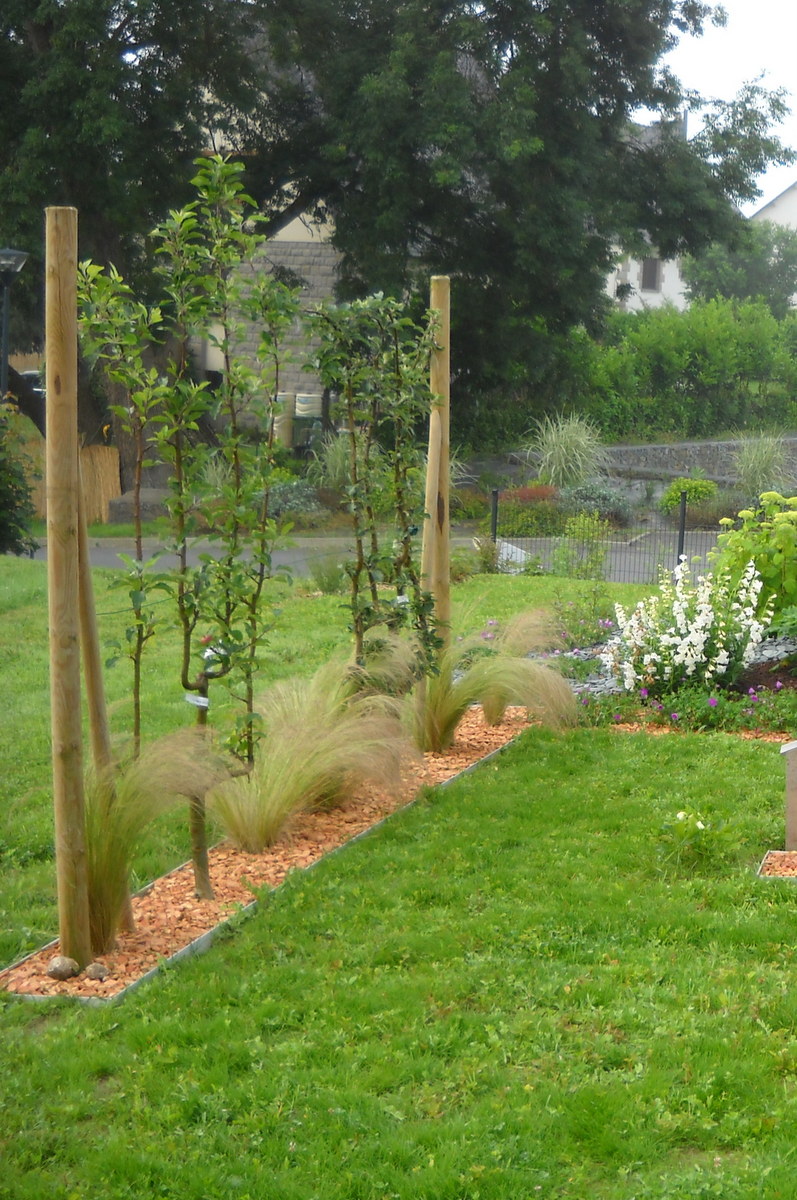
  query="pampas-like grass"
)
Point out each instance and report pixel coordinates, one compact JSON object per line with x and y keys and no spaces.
{"x":469,"y":672}
{"x":321,"y":738}
{"x":119,"y":804}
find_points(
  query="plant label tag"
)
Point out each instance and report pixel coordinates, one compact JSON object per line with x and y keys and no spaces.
{"x":197,"y":701}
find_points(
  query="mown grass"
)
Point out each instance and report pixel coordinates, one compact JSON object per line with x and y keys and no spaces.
{"x":501,"y":992}
{"x":497,"y":994}
{"x":307,"y":631}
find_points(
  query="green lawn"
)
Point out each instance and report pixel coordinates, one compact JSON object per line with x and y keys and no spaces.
{"x":503,"y":992}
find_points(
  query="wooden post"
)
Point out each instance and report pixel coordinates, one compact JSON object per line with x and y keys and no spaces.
{"x":90,"y":645}
{"x":435,"y":554}
{"x":62,"y":578}
{"x":791,"y":794}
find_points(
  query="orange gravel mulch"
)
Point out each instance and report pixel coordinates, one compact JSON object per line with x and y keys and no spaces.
{"x":779,"y":864}
{"x":169,"y":918}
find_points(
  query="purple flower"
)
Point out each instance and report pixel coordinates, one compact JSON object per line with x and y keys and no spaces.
{"x":674,"y":717}
{"x":492,"y":622}
{"x":617,"y":717}
{"x":713,"y":701}
{"x":643,"y":693}
{"x":778,"y":686}
{"x":751,"y":691}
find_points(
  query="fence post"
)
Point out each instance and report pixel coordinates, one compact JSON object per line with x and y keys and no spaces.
{"x":494,"y":515}
{"x":681,"y":528}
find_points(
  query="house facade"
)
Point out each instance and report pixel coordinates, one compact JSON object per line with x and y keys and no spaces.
{"x":780,"y":211}
{"x":640,"y":283}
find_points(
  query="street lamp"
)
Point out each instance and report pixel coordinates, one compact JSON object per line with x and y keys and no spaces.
{"x":11,"y":263}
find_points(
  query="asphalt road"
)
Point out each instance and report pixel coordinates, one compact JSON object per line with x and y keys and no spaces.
{"x":297,"y":555}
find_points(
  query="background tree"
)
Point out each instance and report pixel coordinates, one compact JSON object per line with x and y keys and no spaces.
{"x":762,"y":266}
{"x":492,"y":142}
{"x":495,"y":143}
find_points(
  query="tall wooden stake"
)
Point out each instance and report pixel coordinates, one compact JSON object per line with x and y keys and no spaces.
{"x":90,"y":646}
{"x":435,"y":554}
{"x":62,"y":578}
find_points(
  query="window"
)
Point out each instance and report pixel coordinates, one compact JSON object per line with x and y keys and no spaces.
{"x":651,"y":275}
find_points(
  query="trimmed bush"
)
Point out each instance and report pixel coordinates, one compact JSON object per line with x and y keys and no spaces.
{"x":697,"y":490}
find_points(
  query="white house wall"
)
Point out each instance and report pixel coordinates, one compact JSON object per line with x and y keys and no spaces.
{"x":628,"y":278}
{"x":780,"y":211}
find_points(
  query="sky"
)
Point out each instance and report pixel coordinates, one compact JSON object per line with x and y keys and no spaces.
{"x":760,"y":37}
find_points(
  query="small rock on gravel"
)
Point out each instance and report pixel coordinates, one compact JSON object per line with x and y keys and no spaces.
{"x":97,"y":970}
{"x":61,"y":967}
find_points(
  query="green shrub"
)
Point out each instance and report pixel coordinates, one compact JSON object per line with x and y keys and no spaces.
{"x":539,"y":518}
{"x":328,"y":574}
{"x":468,"y":504}
{"x":708,"y":514}
{"x":16,"y":506}
{"x":486,"y":551}
{"x":767,"y":536}
{"x":697,"y":490}
{"x":294,"y":498}
{"x":609,"y":503}
{"x":464,"y":563}
{"x":581,"y":552}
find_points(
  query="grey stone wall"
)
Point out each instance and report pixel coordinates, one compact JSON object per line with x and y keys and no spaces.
{"x":314,"y":265}
{"x":668,"y":460}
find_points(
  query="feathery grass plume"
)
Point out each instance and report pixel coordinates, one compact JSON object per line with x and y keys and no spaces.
{"x":121,"y":802}
{"x":321,"y":738}
{"x":528,"y":631}
{"x":494,"y":680}
{"x":567,"y":450}
{"x":761,"y":463}
{"x":392,"y":664}
{"x":501,"y":681}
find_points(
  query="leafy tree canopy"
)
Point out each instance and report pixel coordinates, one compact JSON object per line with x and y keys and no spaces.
{"x":105,"y":105}
{"x":762,"y":265}
{"x":491,"y":141}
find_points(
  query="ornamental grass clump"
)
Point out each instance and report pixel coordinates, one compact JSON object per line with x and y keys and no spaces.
{"x":121,"y":802}
{"x":491,"y":669}
{"x":703,"y":634}
{"x":321,"y":738}
{"x":567,"y":450}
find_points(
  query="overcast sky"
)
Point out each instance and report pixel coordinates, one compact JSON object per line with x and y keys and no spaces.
{"x":760,"y":37}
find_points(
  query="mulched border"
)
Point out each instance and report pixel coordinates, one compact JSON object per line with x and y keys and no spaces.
{"x":303,"y":851}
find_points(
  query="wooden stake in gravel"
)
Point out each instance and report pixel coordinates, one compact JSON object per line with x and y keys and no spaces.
{"x":62,"y":578}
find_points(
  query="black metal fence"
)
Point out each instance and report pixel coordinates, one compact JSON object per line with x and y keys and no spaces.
{"x":589,"y":550}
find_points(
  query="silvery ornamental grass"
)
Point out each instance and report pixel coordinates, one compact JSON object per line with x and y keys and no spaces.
{"x":702,"y":633}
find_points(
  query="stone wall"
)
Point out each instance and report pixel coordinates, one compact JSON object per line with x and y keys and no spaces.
{"x":313,"y":264}
{"x":668,"y":460}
